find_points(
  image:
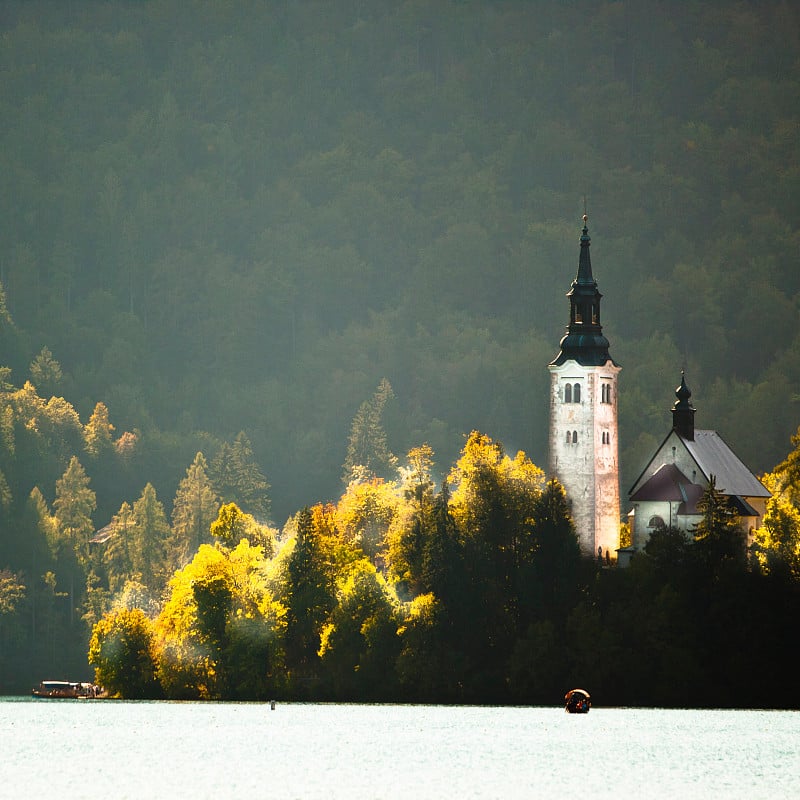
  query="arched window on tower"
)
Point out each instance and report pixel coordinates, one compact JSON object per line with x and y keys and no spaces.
{"x":569,"y":437}
{"x":568,"y":393}
{"x":576,"y":393}
{"x":574,"y":437}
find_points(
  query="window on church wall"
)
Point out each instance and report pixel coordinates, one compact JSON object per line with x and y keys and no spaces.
{"x":574,"y":437}
{"x":595,"y":314}
{"x":656,"y":522}
{"x":569,"y":438}
{"x":576,"y":393}
{"x":568,"y":393}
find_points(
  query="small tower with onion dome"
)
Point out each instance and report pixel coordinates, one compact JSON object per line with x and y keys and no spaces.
{"x":584,"y":453}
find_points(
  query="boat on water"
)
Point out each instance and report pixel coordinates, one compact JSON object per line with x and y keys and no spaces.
{"x":577,"y":701}
{"x":59,"y":690}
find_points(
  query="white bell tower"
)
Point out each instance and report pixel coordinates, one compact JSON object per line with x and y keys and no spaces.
{"x":584,"y":454}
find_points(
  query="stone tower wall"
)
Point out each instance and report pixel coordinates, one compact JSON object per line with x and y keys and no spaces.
{"x":588,"y":468}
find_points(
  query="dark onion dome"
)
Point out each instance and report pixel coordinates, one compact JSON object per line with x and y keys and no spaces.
{"x":584,"y":341}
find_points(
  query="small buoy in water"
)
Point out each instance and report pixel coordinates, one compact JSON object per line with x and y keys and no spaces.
{"x":272,"y":705}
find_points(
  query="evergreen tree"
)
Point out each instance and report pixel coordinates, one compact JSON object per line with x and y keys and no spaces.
{"x":237,"y":478}
{"x":46,"y":372}
{"x":193,"y":511}
{"x":73,"y":506}
{"x":97,"y":433}
{"x":368,"y":452}
{"x":718,"y":536}
{"x":308,"y":598}
{"x":410,"y":534}
{"x":148,"y":540}
{"x":117,"y":555}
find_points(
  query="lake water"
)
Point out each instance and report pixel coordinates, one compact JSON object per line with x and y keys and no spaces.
{"x":98,"y":749}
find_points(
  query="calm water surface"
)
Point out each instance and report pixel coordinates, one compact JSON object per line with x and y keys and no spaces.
{"x":97,"y":749}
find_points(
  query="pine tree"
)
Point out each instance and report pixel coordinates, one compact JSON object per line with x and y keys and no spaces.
{"x":368,"y":452}
{"x":718,"y":536}
{"x":193,"y":510}
{"x":46,"y":372}
{"x":74,"y":504}
{"x":73,"y":507}
{"x":309,"y":594}
{"x":148,"y":540}
{"x":237,"y":478}
{"x":97,"y":433}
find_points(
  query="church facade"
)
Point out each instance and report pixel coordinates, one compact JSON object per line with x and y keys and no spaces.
{"x":584,"y":453}
{"x":668,"y":490}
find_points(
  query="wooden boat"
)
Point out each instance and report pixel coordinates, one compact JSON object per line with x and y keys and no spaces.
{"x":577,"y":701}
{"x":59,"y":690}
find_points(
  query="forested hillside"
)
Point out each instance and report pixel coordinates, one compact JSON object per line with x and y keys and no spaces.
{"x":224,"y":224}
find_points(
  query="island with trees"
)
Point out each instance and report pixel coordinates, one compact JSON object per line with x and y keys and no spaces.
{"x":251,"y":250}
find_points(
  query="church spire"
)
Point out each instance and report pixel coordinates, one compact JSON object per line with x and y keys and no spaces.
{"x":585,"y":262}
{"x":683,"y":412}
{"x":584,"y":341}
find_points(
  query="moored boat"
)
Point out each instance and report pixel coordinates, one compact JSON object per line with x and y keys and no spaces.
{"x":577,"y":701}
{"x":59,"y":690}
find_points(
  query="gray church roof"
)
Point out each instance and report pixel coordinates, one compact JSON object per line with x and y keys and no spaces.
{"x":714,"y":457}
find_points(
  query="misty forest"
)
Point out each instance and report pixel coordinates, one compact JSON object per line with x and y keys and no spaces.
{"x":279,"y":283}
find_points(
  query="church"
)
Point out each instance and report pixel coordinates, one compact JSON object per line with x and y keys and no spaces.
{"x":584,"y":453}
{"x":668,"y":489}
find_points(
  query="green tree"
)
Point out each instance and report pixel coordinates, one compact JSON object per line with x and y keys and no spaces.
{"x":367,"y":448}
{"x":97,"y":432}
{"x":549,"y":564}
{"x":46,"y":372}
{"x":148,"y":540}
{"x":121,"y":650}
{"x":718,"y":537}
{"x":237,"y":478}
{"x":427,"y":665}
{"x":409,"y":536}
{"x":359,"y":645}
{"x":220,"y":630}
{"x":117,"y":555}
{"x":308,"y":598}
{"x":193,"y":512}
{"x":73,"y":507}
{"x":364,"y":516}
{"x":232,"y":525}
{"x":494,"y":507}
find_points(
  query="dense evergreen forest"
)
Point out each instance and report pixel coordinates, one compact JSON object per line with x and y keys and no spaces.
{"x":224,"y":224}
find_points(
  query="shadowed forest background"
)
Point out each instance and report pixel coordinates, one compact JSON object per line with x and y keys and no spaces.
{"x":224,"y":224}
